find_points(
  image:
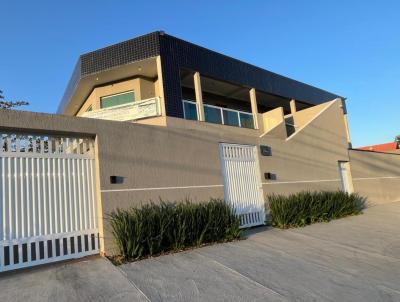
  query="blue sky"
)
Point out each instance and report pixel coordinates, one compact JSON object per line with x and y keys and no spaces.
{"x":351,"y":48}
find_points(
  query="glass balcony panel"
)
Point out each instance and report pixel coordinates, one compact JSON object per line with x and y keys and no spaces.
{"x":246,"y":120}
{"x":190,"y":111}
{"x":212,"y":115}
{"x":231,"y":118}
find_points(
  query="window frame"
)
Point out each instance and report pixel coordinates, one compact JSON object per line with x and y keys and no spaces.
{"x":116,"y":94}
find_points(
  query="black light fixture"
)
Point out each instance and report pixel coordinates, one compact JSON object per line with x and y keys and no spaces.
{"x":116,"y":179}
{"x":265,"y":150}
{"x":269,"y":176}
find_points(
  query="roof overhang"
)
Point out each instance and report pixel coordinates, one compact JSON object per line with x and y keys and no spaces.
{"x":84,"y":86}
{"x":122,"y":61}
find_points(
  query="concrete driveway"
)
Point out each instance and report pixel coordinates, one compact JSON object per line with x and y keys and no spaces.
{"x":351,"y":259}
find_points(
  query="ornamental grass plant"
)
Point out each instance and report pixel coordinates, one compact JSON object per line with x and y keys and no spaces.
{"x":163,"y":227}
{"x":303,"y":208}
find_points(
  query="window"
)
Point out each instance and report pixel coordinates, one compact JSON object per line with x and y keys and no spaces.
{"x":90,"y":108}
{"x":117,"y":99}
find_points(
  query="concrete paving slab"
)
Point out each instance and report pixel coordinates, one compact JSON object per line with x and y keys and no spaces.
{"x":189,"y":276}
{"x":373,"y":231}
{"x":293,"y":276}
{"x":92,"y":279}
{"x":351,"y":261}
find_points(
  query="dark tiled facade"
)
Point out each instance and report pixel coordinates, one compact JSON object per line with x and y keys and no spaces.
{"x":176,"y":54}
{"x":119,"y":54}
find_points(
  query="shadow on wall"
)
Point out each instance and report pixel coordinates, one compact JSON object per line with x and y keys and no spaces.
{"x":385,"y":162}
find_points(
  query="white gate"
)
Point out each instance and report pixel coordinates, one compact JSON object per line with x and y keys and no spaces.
{"x":242,"y":183}
{"x":345,"y":177}
{"x":47,"y":200}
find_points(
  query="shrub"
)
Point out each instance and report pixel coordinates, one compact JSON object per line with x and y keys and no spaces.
{"x":158,"y":228}
{"x":305,"y":207}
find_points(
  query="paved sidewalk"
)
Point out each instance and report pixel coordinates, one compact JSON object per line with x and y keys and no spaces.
{"x":91,"y":279}
{"x":351,"y":259}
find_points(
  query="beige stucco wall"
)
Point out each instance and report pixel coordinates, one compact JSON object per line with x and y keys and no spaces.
{"x":308,"y":160}
{"x":144,"y":89}
{"x":182,"y":159}
{"x":302,"y":117}
{"x":147,"y":88}
{"x":271,"y":119}
{"x":376,"y":175}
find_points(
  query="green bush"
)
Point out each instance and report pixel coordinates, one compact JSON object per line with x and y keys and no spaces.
{"x":157,"y":228}
{"x":305,"y":207}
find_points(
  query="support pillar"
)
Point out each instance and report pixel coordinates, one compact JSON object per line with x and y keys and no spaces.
{"x":199,"y":96}
{"x":293,"y":106}
{"x":160,"y":87}
{"x":254,"y":109}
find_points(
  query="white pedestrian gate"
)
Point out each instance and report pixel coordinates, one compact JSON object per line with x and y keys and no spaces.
{"x":242,"y":183}
{"x":48,"y":207}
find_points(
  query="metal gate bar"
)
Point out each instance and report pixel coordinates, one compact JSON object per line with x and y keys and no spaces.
{"x":15,"y":254}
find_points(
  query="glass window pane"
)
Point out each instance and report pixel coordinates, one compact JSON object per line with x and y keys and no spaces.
{"x":246,"y":120}
{"x":118,"y":99}
{"x":190,"y":111}
{"x":212,"y":115}
{"x":231,"y":118}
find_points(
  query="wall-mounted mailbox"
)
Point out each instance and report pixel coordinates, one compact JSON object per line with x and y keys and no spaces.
{"x":265,"y":150}
{"x":270,"y":176}
{"x":116,"y":179}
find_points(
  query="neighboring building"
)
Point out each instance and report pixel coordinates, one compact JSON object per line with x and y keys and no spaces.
{"x":388,"y":147}
{"x":158,"y":117}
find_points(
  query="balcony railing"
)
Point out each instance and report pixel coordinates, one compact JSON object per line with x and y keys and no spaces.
{"x":128,"y":112}
{"x":219,"y":115}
